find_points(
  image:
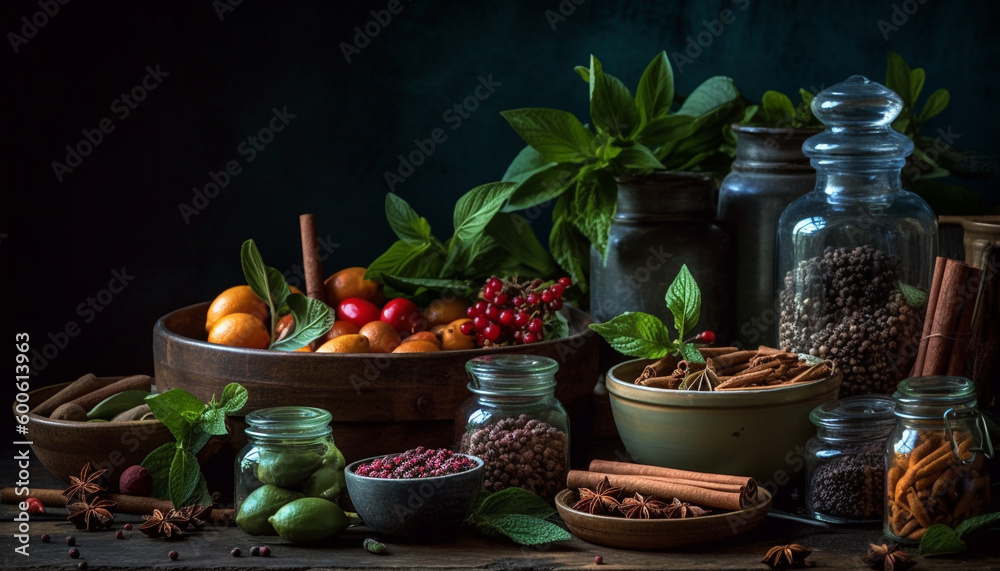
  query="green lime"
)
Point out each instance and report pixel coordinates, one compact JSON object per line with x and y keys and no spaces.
{"x":333,"y":456}
{"x":309,"y":519}
{"x":326,"y":483}
{"x":261,"y":504}
{"x":287,"y":467}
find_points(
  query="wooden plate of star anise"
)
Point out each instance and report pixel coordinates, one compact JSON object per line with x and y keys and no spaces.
{"x":659,"y":532}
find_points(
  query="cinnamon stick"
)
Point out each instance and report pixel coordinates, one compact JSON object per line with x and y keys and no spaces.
{"x":311,"y":262}
{"x":712,"y":352}
{"x":932,"y":302}
{"x":690,"y":494}
{"x":77,"y":388}
{"x":947,"y":314}
{"x":135,"y":505}
{"x":659,"y":368}
{"x":135,"y":382}
{"x":747,"y":485}
{"x":963,"y":329}
{"x":723,"y":362}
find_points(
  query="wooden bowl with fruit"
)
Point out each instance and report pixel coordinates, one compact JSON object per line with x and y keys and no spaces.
{"x":391,"y":373}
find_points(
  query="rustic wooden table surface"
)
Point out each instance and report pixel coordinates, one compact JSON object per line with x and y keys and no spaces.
{"x":834,"y":548}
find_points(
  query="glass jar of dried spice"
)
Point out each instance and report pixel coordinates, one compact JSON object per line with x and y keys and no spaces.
{"x":845,"y":461}
{"x":515,"y":424}
{"x":935,"y":457}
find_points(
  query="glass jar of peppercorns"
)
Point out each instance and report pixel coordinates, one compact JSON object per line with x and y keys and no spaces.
{"x":289,"y":454}
{"x":515,"y":423}
{"x":855,"y":255}
{"x":936,"y":470}
{"x":845,"y":461}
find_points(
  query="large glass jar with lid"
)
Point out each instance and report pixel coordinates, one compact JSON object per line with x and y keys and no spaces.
{"x":935,"y":458}
{"x":845,"y":461}
{"x":855,"y":255}
{"x":290,"y":454}
{"x":515,"y":424}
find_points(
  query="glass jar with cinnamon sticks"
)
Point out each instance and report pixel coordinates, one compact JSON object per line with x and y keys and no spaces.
{"x":935,"y":458}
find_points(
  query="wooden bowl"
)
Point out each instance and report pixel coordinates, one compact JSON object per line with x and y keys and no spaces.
{"x":381,"y":403}
{"x":623,"y":533}
{"x":65,"y":446}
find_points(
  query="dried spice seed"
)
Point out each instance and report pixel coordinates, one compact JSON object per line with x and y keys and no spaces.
{"x":236,"y":552}
{"x":92,"y":514}
{"x":254,"y":551}
{"x":74,"y":553}
{"x":601,"y":501}
{"x":419,"y":462}
{"x":265,"y":551}
{"x":82,"y":565}
{"x":70,"y":540}
{"x":173,"y":555}
{"x":598,"y":560}
{"x":163,"y":525}
{"x":642,"y":507}
{"x":882,"y":557}
{"x":86,"y":484}
{"x":851,"y":486}
{"x":46,"y":538}
{"x":786,"y":556}
{"x":127,"y":527}
{"x":119,"y":534}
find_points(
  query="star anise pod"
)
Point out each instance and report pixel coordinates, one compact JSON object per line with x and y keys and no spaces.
{"x":87,"y":484}
{"x":163,"y":525}
{"x":883,"y":557}
{"x":92,"y":514}
{"x":193,"y":516}
{"x":678,"y":509}
{"x":786,"y":556}
{"x":642,"y":507}
{"x":603,"y":500}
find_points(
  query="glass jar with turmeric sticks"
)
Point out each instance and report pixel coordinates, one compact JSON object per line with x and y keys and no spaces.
{"x":936,"y":456}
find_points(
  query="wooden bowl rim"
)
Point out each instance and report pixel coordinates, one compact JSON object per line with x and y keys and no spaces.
{"x":160,"y":331}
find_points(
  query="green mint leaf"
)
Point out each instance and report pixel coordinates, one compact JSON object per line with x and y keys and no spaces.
{"x":514,"y":501}
{"x":583,"y":71}
{"x":638,"y":160}
{"x":915,"y":298}
{"x":201,"y":495}
{"x":404,"y":221}
{"x":667,"y":131}
{"x":897,"y":78}
{"x":213,"y":421}
{"x":975,"y":523}
{"x":476,"y":208}
{"x":558,"y":328}
{"x":412,"y":285}
{"x":917,"y":78}
{"x":195,"y":440}
{"x":714,"y":93}
{"x":513,"y":233}
{"x":636,"y":334}
{"x":158,"y":464}
{"x":612,"y":108}
{"x":656,"y":89}
{"x":234,"y":397}
{"x":401,"y":259}
{"x":266,"y":282}
{"x":592,"y":207}
{"x":570,"y":249}
{"x":542,"y":186}
{"x":313,"y":319}
{"x":176,"y":409}
{"x":684,"y":302}
{"x":778,"y":108}
{"x":936,"y":103}
{"x":184,"y":472}
{"x":557,"y":135}
{"x":527,"y":162}
{"x":526,"y":529}
{"x":939,"y":539}
{"x":690,"y":353}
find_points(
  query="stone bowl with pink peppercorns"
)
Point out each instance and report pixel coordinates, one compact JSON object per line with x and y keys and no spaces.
{"x":421,"y":493}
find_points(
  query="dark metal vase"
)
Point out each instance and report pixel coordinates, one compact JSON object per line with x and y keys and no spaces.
{"x":663,"y":221}
{"x":769,"y":172}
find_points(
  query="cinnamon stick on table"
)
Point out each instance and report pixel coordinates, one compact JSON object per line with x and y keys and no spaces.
{"x":659,"y":488}
{"x":746,"y":486}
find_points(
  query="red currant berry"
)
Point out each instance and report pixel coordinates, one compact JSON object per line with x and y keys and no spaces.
{"x":492,"y":332}
{"x":521,"y":319}
{"x":529,"y":337}
{"x":557,"y":290}
{"x":488,"y":292}
{"x":707,"y":337}
{"x":546,"y":296}
{"x":536,"y":325}
{"x":532,"y":299}
{"x":480,"y":322}
{"x":556,"y":304}
{"x":492,"y":312}
{"x":518,"y":335}
{"x":466,"y":328}
{"x":481,"y":306}
{"x":518,"y":301}
{"x":500,"y":299}
{"x":565,"y":282}
{"x":494,"y":283}
{"x":506,"y":317}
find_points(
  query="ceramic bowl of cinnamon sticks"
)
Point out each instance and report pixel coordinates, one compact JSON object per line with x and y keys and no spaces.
{"x":741,"y":412}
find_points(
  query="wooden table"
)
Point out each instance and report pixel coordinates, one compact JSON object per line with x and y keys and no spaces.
{"x":834,"y":548}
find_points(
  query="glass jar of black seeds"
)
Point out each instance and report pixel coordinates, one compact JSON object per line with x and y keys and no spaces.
{"x":855,"y":255}
{"x":515,"y":424}
{"x":845,"y":464}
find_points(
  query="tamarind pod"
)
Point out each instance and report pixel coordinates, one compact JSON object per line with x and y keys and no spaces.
{"x":908,"y":528}
{"x":919,"y":533}
{"x":917,"y":509}
{"x":910,"y":476}
{"x":920,"y":451}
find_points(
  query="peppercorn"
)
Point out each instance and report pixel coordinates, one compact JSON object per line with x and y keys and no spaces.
{"x":74,"y":553}
{"x":173,"y":555}
{"x":235,"y":552}
{"x":265,"y":551}
{"x":119,"y":534}
{"x":70,"y":540}
{"x":82,"y":565}
{"x":598,"y":560}
{"x":45,"y":538}
{"x":254,"y":551}
{"x":128,"y":527}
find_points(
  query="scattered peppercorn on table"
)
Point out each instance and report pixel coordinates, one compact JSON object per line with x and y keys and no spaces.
{"x":213,"y":547}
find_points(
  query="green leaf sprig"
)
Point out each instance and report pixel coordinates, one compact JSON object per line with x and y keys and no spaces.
{"x":518,"y":514}
{"x":174,"y":465}
{"x":939,"y":539}
{"x":777,"y":110}
{"x":642,"y":335}
{"x":576,"y":165}
{"x":485,"y":242}
{"x":313,"y":318}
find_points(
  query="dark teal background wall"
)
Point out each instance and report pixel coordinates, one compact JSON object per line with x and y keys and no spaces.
{"x":61,"y":241}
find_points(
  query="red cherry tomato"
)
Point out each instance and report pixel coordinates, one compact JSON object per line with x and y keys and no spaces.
{"x":403,"y":315}
{"x":357,"y":310}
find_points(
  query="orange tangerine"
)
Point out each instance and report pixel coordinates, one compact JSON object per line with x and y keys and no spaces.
{"x":382,"y":336}
{"x":351,"y":282}
{"x":240,"y":330}
{"x":237,"y":299}
{"x":348,"y":343}
{"x":423,"y":336}
{"x":452,"y":338}
{"x":444,"y":311}
{"x":416,"y":347}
